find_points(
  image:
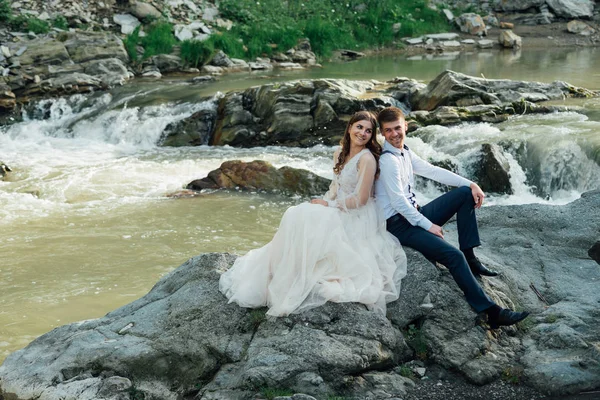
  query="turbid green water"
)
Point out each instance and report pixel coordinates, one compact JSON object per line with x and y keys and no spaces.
{"x":98,"y":231}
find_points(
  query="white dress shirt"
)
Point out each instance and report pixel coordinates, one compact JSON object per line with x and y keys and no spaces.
{"x":394,"y":190}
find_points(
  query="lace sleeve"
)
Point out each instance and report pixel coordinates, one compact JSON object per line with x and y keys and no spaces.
{"x":367,"y":167}
{"x":331,"y":194}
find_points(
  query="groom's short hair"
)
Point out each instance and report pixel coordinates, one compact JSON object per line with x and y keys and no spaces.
{"x":389,"y":114}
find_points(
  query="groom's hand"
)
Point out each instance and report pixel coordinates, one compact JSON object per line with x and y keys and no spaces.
{"x":478,"y":194}
{"x":436,"y":230}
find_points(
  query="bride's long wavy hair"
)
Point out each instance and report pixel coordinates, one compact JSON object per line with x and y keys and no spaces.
{"x":373,"y":145}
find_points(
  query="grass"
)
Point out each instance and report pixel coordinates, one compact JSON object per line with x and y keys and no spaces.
{"x":258,"y":316}
{"x":512,"y":375}
{"x":195,"y":53}
{"x":131,"y":42}
{"x":270,"y":393}
{"x":5,"y":11}
{"x":60,"y":22}
{"x":416,"y":340}
{"x":159,"y":39}
{"x":406,"y":371}
{"x":272,"y":25}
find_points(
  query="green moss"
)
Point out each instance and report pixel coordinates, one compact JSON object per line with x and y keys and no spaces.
{"x":406,"y":371}
{"x":25,"y":23}
{"x":60,"y":22}
{"x":131,"y":42}
{"x":5,"y":11}
{"x":416,"y":340}
{"x":195,"y":53}
{"x":258,"y":316}
{"x":550,"y":319}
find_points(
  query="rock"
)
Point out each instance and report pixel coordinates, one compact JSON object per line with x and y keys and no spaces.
{"x":239,"y":65}
{"x":5,"y":51}
{"x":581,"y":28}
{"x":454,"y":89}
{"x":594,"y":252}
{"x":472,"y":24}
{"x":443,"y":36}
{"x":509,"y":39}
{"x":182,"y":32}
{"x":287,"y":113}
{"x":143,"y":10}
{"x":543,"y":18}
{"x":572,"y":8}
{"x":167,"y":63}
{"x":280,"y":57}
{"x":224,"y":23}
{"x":485,"y":43}
{"x":210,"y":13}
{"x":491,"y":20}
{"x":193,"y":131}
{"x":506,"y":25}
{"x":492,"y":171}
{"x":517,"y":5}
{"x":127,"y":22}
{"x":220,"y":59}
{"x":262,"y":176}
{"x":203,"y":79}
{"x":112,"y":71}
{"x":45,"y":51}
{"x":304,"y":57}
{"x":468,"y":41}
{"x":450,"y":43}
{"x":289,"y":66}
{"x":448,"y":14}
{"x":8,"y":100}
{"x":351,"y":54}
{"x":87,"y":46}
{"x":341,"y":348}
{"x":414,"y":41}
{"x":152,"y":73}
{"x":4,"y":169}
{"x":211,"y":70}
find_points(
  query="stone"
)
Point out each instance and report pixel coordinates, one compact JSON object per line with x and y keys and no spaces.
{"x":262,"y":176}
{"x":468,"y":41}
{"x":87,"y":46}
{"x":509,"y":39}
{"x":289,"y":66}
{"x":572,"y":8}
{"x":45,"y":52}
{"x":485,"y":43}
{"x":351,"y":54}
{"x":414,"y":41}
{"x":127,"y":22}
{"x":8,"y":100}
{"x":260,"y":66}
{"x":195,"y":130}
{"x":210,"y":13}
{"x":220,"y":59}
{"x":5,"y":51}
{"x":450,"y":43}
{"x":211,"y":70}
{"x":443,"y":36}
{"x":581,"y":28}
{"x":396,"y":27}
{"x":182,"y":32}
{"x":594,"y":252}
{"x":448,"y":14}
{"x":491,"y":20}
{"x":167,"y":62}
{"x":472,"y":24}
{"x":506,"y":25}
{"x":492,"y":170}
{"x":4,"y":169}
{"x":112,"y":71}
{"x":517,"y":5}
{"x":143,"y":10}
{"x":152,"y":74}
{"x":224,"y":23}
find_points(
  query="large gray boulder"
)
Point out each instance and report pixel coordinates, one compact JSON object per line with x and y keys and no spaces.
{"x":455,"y":89}
{"x":572,"y":8}
{"x":491,"y":170}
{"x":182,"y":339}
{"x":517,"y":5}
{"x":193,"y":131}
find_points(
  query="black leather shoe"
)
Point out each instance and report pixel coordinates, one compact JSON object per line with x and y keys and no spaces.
{"x":506,"y":317}
{"x":477,"y":268}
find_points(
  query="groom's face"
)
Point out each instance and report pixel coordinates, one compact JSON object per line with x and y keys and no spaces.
{"x":395,"y":132}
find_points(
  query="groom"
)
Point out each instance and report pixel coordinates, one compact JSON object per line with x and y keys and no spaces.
{"x":421,"y":227}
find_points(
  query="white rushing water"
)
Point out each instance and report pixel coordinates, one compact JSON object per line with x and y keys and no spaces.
{"x":87,"y":227}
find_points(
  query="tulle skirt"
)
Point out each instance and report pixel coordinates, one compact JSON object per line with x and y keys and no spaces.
{"x":320,"y":254}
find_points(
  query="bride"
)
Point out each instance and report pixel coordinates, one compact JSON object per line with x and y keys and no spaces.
{"x":331,"y":249}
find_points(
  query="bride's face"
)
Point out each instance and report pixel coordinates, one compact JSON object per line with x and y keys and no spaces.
{"x":360,"y":133}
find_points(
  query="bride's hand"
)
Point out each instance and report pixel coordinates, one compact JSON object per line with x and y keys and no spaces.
{"x":319,"y":201}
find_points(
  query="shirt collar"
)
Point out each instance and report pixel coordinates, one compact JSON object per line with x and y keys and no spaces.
{"x":389,"y":147}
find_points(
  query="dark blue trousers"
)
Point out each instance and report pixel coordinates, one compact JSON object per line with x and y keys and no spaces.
{"x":458,"y":201}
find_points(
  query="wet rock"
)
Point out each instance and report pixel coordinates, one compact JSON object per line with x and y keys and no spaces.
{"x":87,"y":46}
{"x":485,"y":44}
{"x":472,"y":24}
{"x":8,"y":100}
{"x":4,"y":169}
{"x":492,"y":170}
{"x":455,"y":89}
{"x":351,"y":54}
{"x":509,"y":39}
{"x":580,"y":28}
{"x":111,"y":71}
{"x":193,"y":131}
{"x":262,"y":176}
{"x":594,"y":252}
{"x":572,"y":8}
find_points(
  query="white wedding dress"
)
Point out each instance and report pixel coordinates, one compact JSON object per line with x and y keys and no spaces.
{"x":340,"y":253}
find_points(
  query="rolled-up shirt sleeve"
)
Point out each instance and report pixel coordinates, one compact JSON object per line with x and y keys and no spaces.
{"x":391,"y":175}
{"x":441,"y":175}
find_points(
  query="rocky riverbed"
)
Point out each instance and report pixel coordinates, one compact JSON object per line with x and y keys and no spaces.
{"x":182,"y":340}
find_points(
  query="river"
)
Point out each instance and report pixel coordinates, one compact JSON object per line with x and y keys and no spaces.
{"x":85,"y":224}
